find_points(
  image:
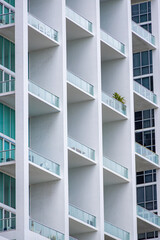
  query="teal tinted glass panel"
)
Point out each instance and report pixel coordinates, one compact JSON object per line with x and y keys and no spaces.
{"x":1,"y":50}
{"x":1,"y":187}
{"x":6,"y":147}
{"x":12,"y":57}
{"x":6,"y":10}
{"x":1,"y":75}
{"x":13,"y":193}
{"x":1,"y":148}
{"x":7,"y":188}
{"x":12,"y":124}
{"x":12,"y":152}
{"x":6,"y":53}
{"x":1,"y":217}
{"x":1,"y":118}
{"x":1,"y":79}
{"x":6,"y":120}
{"x":12,"y":2}
{"x":6,"y":78}
{"x":1,"y":9}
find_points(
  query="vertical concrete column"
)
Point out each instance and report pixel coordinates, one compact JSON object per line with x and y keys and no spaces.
{"x":155,"y":7}
{"x":21,"y":107}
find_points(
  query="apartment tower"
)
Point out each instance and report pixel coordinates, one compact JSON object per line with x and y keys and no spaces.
{"x":79,"y":119}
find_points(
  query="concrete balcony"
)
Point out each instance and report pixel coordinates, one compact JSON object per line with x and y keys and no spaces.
{"x":80,"y":221}
{"x":114,"y":173}
{"x":41,"y":101}
{"x":145,"y":158}
{"x":112,"y":109}
{"x":111,"y":48}
{"x":77,"y":26}
{"x":45,"y":231}
{"x":114,"y":233}
{"x":142,"y":39}
{"x":41,"y":169}
{"x":143,"y":98}
{"x":147,"y":221}
{"x":78,"y":90}
{"x":79,"y":155}
{"x":40,"y":36}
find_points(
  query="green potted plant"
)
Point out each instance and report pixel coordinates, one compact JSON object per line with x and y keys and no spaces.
{"x":118,"y":97}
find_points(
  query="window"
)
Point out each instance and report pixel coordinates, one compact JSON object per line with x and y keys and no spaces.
{"x":148,"y":235}
{"x":146,"y":177}
{"x":144,"y":119}
{"x":147,"y":197}
{"x":7,"y":190}
{"x":7,"y":121}
{"x":7,"y":53}
{"x":142,"y":63}
{"x":141,"y":13}
{"x":147,"y":82}
{"x":147,"y":139}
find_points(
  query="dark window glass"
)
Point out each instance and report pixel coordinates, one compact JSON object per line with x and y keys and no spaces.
{"x":150,"y":235}
{"x":140,"y":195}
{"x":140,"y":179}
{"x":148,"y":178}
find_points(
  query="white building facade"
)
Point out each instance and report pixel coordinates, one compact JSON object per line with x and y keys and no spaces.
{"x":79,"y":119}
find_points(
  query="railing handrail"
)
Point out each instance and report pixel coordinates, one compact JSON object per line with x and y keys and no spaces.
{"x":81,"y":143}
{"x":107,"y":158}
{"x":116,"y":227}
{"x":146,"y":89}
{"x":5,"y":81}
{"x":29,"y":81}
{"x":78,"y":14}
{"x":43,"y":157}
{"x":2,"y":14}
{"x":79,"y":77}
{"x":103,"y":31}
{"x":147,"y":149}
{"x":7,"y":218}
{"x":72,"y":205}
{"x":113,"y":99}
{"x":7,"y":150}
{"x":142,"y":29}
{"x":41,"y":21}
{"x":43,"y":225}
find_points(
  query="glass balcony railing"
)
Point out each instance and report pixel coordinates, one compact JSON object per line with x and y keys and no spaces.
{"x":78,"y":19}
{"x":112,"y":102}
{"x":7,"y":18}
{"x":81,"y":215}
{"x":7,"y":224}
{"x":7,"y":86}
{"x":80,"y":83}
{"x":42,"y":93}
{"x":145,"y":152}
{"x":143,"y":33}
{"x":112,"y":42}
{"x":80,"y":148}
{"x":116,"y":232}
{"x":115,"y":167}
{"x":72,"y":238}
{"x":145,"y":92}
{"x":45,"y":231}
{"x":44,"y":162}
{"x":148,"y":216}
{"x":7,"y":156}
{"x":42,"y":27}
